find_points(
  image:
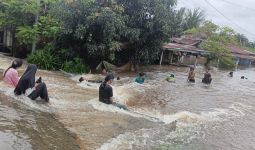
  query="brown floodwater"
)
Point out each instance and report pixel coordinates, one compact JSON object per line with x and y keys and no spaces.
{"x":162,"y":115}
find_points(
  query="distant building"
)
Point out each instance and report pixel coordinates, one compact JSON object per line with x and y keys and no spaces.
{"x":5,"y":40}
{"x":240,"y":56}
{"x":184,"y":52}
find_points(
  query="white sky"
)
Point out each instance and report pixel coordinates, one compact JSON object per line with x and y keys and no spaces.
{"x":240,"y":13}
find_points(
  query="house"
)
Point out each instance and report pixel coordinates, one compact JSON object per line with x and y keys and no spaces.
{"x":5,"y":40}
{"x":240,"y":56}
{"x":184,"y":52}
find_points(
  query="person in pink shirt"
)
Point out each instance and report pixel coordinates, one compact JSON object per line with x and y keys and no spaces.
{"x":10,"y":76}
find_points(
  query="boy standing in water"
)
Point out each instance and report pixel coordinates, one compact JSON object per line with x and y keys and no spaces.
{"x":207,"y":78}
{"x":191,"y":77}
{"x":106,"y":92}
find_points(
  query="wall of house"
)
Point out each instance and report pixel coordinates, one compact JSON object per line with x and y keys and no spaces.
{"x":244,"y":62}
{"x":190,"y":60}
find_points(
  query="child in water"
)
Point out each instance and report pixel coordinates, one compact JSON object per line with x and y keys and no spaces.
{"x":191,"y":76}
{"x":140,"y":78}
{"x":10,"y":76}
{"x":207,"y":78}
{"x":230,"y":74}
{"x":170,"y":78}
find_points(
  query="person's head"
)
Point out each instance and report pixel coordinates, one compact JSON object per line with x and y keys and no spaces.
{"x":207,"y":70}
{"x":172,"y":75}
{"x":231,"y":74}
{"x":31,"y":68}
{"x":104,"y":71}
{"x":118,"y":78}
{"x":39,"y":80}
{"x":141,"y":74}
{"x":242,"y":77}
{"x":191,"y":69}
{"x":109,"y":78}
{"x":81,"y":79}
{"x":16,"y":63}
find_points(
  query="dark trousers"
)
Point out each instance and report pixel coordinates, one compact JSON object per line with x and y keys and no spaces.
{"x":40,"y":91}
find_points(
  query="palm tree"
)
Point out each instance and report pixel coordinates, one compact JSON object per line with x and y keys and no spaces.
{"x":242,"y":39}
{"x":193,"y":18}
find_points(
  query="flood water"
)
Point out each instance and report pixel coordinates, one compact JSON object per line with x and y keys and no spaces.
{"x":162,"y":115}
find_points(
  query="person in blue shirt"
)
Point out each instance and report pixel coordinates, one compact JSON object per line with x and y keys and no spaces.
{"x":140,"y":78}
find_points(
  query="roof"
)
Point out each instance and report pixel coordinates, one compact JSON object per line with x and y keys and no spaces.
{"x":186,"y":41}
{"x":183,"y":48}
{"x":243,"y":56}
{"x":237,"y":50}
{"x":250,"y":53}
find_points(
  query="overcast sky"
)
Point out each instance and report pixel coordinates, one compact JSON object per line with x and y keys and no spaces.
{"x":239,"y":14}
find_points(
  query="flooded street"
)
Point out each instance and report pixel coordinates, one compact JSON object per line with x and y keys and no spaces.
{"x":162,"y":115}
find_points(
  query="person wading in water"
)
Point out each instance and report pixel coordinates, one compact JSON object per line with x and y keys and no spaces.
{"x":207,"y":78}
{"x":191,"y":76}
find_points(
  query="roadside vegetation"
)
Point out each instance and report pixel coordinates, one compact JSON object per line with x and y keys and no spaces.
{"x":75,"y":35}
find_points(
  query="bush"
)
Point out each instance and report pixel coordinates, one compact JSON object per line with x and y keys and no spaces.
{"x":44,"y":59}
{"x":75,"y":66}
{"x":226,"y":63}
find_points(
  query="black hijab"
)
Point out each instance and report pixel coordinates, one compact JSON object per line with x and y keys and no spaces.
{"x":27,"y":80}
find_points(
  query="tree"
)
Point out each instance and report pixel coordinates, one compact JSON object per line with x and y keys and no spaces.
{"x":218,"y":38}
{"x":147,"y":28}
{"x":19,"y":17}
{"x":90,"y":30}
{"x":193,"y":18}
{"x":15,"y":14}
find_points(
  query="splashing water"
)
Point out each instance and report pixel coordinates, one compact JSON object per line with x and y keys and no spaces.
{"x":162,"y":115}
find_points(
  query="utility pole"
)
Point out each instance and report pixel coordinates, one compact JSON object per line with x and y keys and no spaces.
{"x":36,"y":21}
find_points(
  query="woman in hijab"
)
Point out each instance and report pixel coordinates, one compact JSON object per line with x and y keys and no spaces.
{"x":28,"y":86}
{"x":10,"y":76}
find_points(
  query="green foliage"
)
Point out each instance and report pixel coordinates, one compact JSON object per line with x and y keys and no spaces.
{"x":244,"y":42}
{"x":75,"y":66}
{"x":147,"y":27}
{"x":193,"y":18}
{"x":48,"y":27}
{"x":111,"y":30}
{"x":218,"y":38}
{"x":44,"y":59}
{"x":14,"y":13}
{"x":27,"y":34}
{"x":226,"y":62}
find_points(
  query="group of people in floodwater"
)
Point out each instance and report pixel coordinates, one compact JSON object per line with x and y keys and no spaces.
{"x":206,"y":80}
{"x":28,"y":86}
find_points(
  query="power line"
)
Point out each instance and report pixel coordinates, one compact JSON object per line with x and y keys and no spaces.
{"x":228,"y":18}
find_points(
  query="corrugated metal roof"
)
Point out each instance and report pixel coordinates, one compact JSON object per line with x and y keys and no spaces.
{"x":183,"y":48}
{"x":243,"y":56}
{"x":186,"y":41}
{"x":237,"y":50}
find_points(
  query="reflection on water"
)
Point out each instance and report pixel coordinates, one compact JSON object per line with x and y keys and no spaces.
{"x":220,"y":116}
